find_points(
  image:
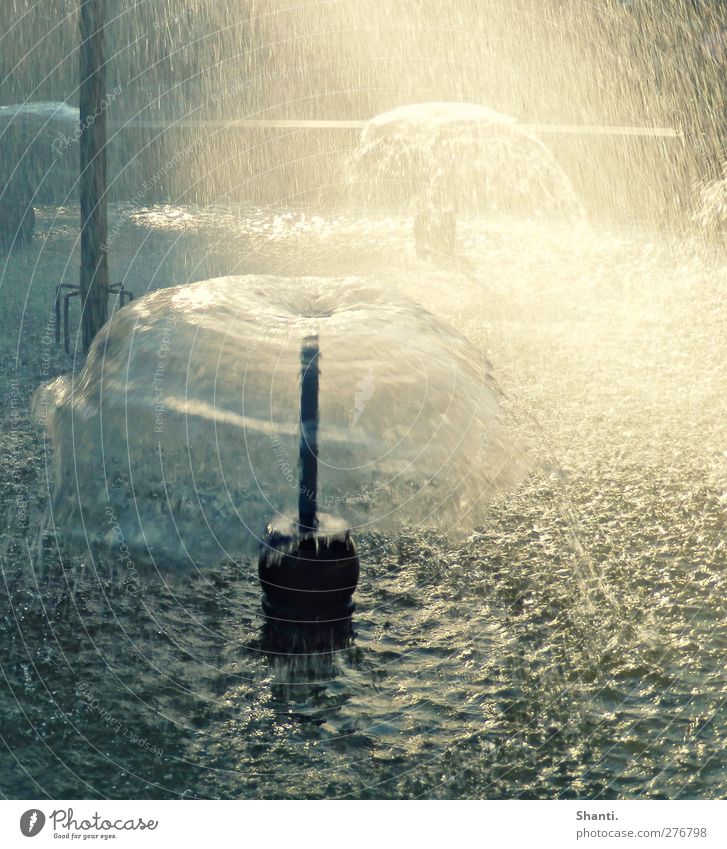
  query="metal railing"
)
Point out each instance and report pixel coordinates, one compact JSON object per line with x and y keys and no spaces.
{"x":74,"y":291}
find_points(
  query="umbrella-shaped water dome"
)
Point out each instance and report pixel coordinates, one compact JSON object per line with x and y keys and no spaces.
{"x":41,"y":141}
{"x":182,"y":431}
{"x":437,"y":158}
{"x":39,"y":163}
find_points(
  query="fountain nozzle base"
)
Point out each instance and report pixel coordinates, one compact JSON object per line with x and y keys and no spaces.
{"x":308,"y":576}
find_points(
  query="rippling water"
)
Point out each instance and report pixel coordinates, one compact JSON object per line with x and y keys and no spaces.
{"x":572,"y":646}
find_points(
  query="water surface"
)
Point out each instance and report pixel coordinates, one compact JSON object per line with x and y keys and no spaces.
{"x":572,"y":646}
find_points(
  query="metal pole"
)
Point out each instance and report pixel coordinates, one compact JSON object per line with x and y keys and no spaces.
{"x":94,"y":226}
{"x":308,"y":494}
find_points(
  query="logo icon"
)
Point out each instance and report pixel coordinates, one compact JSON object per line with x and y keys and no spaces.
{"x":32,"y":822}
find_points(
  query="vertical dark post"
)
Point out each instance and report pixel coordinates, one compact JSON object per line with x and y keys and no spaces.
{"x":308,"y":495}
{"x":94,"y":227}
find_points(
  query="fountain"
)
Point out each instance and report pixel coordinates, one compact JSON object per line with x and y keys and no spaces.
{"x":572,"y":644}
{"x":183,"y":426}
{"x":410,"y":417}
{"x":496,"y":649}
{"x":38,"y":164}
{"x":438,"y":158}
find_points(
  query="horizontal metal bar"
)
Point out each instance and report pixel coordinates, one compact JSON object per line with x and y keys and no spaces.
{"x":595,"y":130}
{"x":306,"y":124}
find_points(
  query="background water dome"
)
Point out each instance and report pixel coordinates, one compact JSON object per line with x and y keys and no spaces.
{"x":461,"y":155}
{"x":183,"y":424}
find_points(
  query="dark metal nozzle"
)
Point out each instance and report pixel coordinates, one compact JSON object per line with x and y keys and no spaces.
{"x":308,"y":492}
